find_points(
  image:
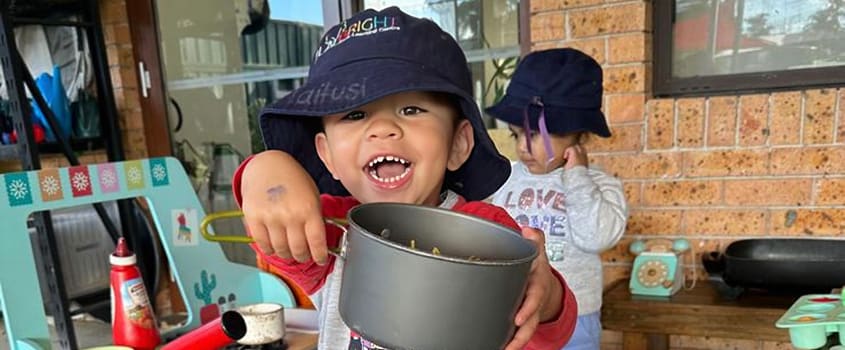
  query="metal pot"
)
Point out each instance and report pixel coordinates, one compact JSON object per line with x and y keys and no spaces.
{"x":410,"y":298}
{"x":404,"y":298}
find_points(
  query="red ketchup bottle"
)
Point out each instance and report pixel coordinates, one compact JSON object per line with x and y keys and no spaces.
{"x":133,"y":321}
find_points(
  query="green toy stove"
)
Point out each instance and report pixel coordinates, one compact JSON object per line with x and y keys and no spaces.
{"x":812,"y":318}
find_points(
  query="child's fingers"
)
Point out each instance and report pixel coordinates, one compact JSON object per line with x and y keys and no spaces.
{"x":298,"y":243}
{"x":259,"y":234}
{"x":535,"y":236}
{"x":523,"y":334}
{"x":279,"y":240}
{"x":315,"y":232}
{"x":533,"y":299}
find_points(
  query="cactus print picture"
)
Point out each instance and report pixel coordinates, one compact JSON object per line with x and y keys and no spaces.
{"x":185,"y":227}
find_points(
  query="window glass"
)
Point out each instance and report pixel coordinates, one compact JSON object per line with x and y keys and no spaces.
{"x":720,"y":37}
{"x":487,"y":30}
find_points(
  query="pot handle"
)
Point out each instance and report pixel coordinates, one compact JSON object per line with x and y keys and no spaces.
{"x":229,"y":214}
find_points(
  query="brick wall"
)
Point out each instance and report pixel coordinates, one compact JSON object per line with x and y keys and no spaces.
{"x":710,"y":169}
{"x":124,"y":77}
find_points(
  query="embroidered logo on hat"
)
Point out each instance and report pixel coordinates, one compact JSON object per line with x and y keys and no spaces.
{"x":362,"y":27}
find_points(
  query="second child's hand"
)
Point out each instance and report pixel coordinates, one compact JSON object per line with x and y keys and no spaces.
{"x":575,"y":155}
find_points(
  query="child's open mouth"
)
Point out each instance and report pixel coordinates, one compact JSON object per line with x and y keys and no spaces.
{"x":388,"y":169}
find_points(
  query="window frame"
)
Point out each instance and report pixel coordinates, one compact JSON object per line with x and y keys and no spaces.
{"x":665,"y":85}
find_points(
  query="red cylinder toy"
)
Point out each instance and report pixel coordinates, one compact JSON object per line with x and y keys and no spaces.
{"x":215,"y":334}
{"x":133,"y":321}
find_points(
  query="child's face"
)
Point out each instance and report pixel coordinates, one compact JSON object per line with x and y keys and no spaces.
{"x":536,"y":160}
{"x":395,"y":149}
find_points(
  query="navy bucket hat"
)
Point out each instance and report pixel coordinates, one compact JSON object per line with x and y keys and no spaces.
{"x":371,"y":55}
{"x":564,"y":85}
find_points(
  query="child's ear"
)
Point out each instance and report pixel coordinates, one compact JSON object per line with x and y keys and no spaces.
{"x":322,"y":145}
{"x":462,"y":143}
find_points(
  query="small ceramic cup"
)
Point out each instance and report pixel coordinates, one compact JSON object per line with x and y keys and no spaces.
{"x":265,"y":323}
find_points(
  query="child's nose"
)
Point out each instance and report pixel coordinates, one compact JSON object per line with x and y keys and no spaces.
{"x":384,"y":126}
{"x":522,"y":144}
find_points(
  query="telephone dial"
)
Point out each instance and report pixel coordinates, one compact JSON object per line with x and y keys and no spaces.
{"x":657,"y":268}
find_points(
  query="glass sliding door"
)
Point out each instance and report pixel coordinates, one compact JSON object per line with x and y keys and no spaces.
{"x":223,"y":60}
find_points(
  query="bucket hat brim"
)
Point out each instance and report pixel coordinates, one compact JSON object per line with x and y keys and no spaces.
{"x":291,"y":123}
{"x":567,"y":120}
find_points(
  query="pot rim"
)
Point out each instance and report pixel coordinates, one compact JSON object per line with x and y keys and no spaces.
{"x":447,"y":258}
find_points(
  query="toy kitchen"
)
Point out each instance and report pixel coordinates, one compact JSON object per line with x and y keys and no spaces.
{"x":762,"y":289}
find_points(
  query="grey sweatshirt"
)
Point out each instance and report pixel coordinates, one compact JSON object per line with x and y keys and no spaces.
{"x":582,"y":213}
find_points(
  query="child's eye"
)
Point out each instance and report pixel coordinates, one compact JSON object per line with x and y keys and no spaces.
{"x":513,"y":135}
{"x":411,"y":110}
{"x":354,"y":115}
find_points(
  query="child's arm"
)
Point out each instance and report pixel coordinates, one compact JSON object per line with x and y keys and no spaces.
{"x":596,"y":208}
{"x":275,"y":194}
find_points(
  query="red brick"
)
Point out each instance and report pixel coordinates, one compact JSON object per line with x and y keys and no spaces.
{"x":548,"y":26}
{"x":724,"y":222}
{"x":721,"y":120}
{"x":809,"y":222}
{"x":625,"y":79}
{"x":629,"y":48}
{"x":818,"y":116}
{"x":661,"y":124}
{"x":640,"y":165}
{"x":112,"y":55}
{"x":768,"y":192}
{"x":129,"y":77}
{"x":677,"y":193}
{"x":840,"y":117}
{"x":786,"y":118}
{"x":831,"y":192}
{"x":122,"y":33}
{"x":619,"y":253}
{"x":726,"y":163}
{"x":690,"y":122}
{"x":609,"y":20}
{"x":593,"y":47}
{"x":753,"y":120}
{"x":810,"y":160}
{"x":116,"y":79}
{"x":552,"y":5}
{"x":633,"y":193}
{"x":623,"y":138}
{"x":134,"y":120}
{"x":112,"y":12}
{"x":625,"y":107}
{"x":615,"y":274}
{"x":653,"y":222}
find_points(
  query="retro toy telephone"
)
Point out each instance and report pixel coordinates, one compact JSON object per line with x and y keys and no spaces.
{"x":657,"y":268}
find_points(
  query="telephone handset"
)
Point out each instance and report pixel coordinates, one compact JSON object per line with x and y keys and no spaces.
{"x":657,"y":268}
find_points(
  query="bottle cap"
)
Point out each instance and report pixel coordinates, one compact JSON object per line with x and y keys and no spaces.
{"x":122,"y":255}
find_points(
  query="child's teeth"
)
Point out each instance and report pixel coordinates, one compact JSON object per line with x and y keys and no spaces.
{"x":389,"y":158}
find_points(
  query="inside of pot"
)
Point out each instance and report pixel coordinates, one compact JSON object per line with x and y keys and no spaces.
{"x":441,"y":232}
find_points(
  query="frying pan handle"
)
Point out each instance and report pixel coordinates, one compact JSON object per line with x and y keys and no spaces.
{"x":230,"y":214}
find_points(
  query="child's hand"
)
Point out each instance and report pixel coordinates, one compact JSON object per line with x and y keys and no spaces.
{"x":575,"y":155}
{"x":542,"y":298}
{"x":281,"y":207}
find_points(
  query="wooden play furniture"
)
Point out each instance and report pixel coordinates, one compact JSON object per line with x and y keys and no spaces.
{"x":202,"y":272}
{"x":647,"y":322}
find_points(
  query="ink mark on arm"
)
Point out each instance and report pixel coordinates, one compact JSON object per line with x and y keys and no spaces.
{"x":274,"y":194}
